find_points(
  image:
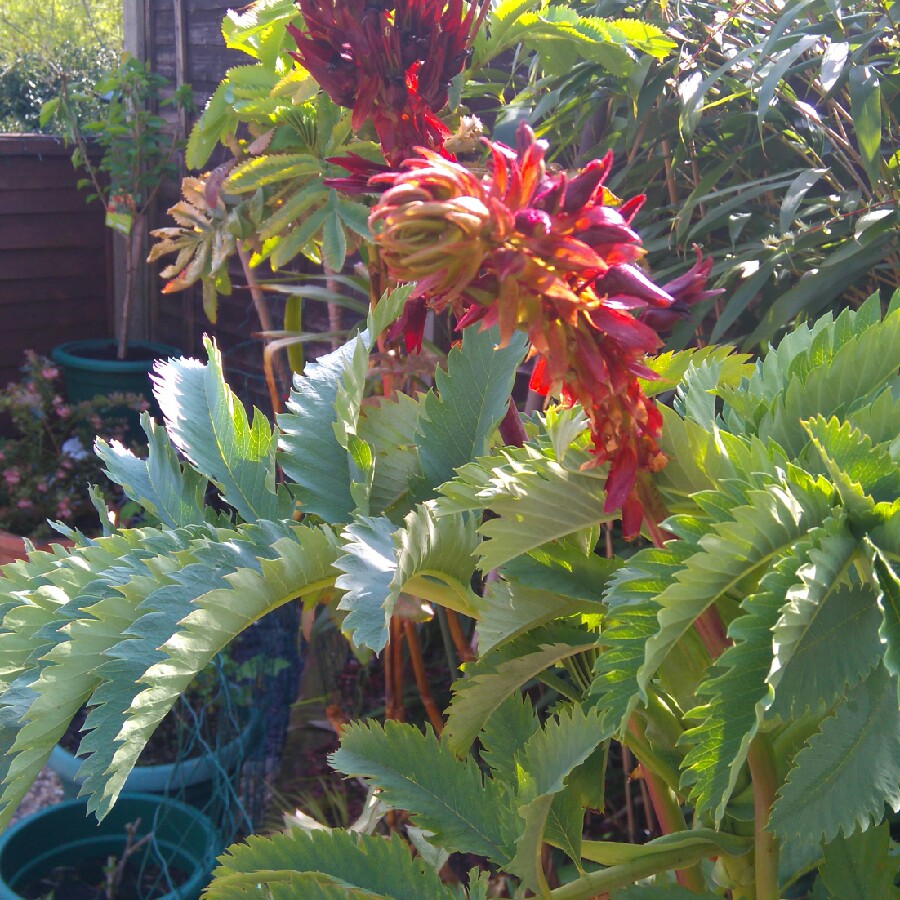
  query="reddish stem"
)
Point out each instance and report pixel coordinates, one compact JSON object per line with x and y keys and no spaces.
{"x":418,"y":664}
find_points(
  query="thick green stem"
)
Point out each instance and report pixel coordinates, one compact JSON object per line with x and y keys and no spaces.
{"x":761,"y":761}
{"x":598,"y":883}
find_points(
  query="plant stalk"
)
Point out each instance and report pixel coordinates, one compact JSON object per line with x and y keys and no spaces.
{"x":418,"y":664}
{"x":761,"y":762}
{"x":597,"y":884}
{"x":668,"y":812}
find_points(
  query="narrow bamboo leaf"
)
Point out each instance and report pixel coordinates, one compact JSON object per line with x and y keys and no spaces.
{"x":865,"y":105}
{"x":848,"y":771}
{"x":366,"y":865}
{"x":834,"y":59}
{"x":471,"y":399}
{"x":776,"y":71}
{"x":794,"y":195}
{"x":445,"y":795}
{"x":207,"y":422}
{"x":861,"y":865}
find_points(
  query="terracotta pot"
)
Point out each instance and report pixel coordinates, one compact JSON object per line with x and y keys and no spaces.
{"x":12,"y":547}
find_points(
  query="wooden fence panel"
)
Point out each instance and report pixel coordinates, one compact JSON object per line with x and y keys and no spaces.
{"x":55,"y":259}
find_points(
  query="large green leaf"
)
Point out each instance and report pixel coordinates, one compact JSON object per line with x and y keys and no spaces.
{"x":301,"y":567}
{"x":321,"y":448}
{"x":826,"y":638}
{"x":632,"y":620}
{"x":356,"y":865}
{"x":171,"y":491}
{"x":534,"y":498}
{"x":430,"y":558}
{"x":737,"y":692}
{"x":547,"y":759}
{"x":733,"y":551}
{"x":848,"y":771}
{"x":208,"y":423}
{"x":444,"y":794}
{"x":54,"y":638}
{"x":471,"y":399}
{"x":498,"y":674}
{"x":861,"y":865}
{"x":311,"y":453}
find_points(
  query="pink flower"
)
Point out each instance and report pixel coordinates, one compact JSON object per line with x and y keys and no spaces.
{"x":12,"y":476}
{"x":24,"y":503}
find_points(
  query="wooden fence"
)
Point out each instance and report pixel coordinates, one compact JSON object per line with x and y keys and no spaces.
{"x":55,"y":273}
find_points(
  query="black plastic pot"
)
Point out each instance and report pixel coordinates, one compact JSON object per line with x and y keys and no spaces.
{"x":65,"y":835}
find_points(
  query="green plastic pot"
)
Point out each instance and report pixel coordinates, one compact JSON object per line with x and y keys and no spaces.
{"x":66,"y":834}
{"x":91,"y":367}
{"x":193,"y":780}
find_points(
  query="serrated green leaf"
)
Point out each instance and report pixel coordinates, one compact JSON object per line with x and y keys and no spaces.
{"x":427,"y":557}
{"x":445,"y":795}
{"x":311,"y":454}
{"x":534,"y":498}
{"x":208,"y":423}
{"x":260,"y":171}
{"x":389,"y":428}
{"x":499,"y":674}
{"x":471,"y":399}
{"x":547,"y":759}
{"x":511,"y":609}
{"x":861,"y":865}
{"x":738,"y":693}
{"x":301,"y":566}
{"x":505,"y":734}
{"x":172,"y":492}
{"x":826,"y":638}
{"x":889,"y":629}
{"x":732,"y":551}
{"x":361,"y":865}
{"x":847,"y":772}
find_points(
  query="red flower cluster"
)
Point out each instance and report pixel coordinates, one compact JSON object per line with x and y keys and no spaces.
{"x":391,"y":62}
{"x":549,"y":256}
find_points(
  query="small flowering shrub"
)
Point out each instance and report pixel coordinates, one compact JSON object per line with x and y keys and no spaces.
{"x":47,"y":461}
{"x":746,"y":647}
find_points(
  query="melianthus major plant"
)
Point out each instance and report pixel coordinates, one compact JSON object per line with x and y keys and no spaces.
{"x":748,"y":658}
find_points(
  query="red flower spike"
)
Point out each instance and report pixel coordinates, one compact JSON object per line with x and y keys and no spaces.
{"x":390,"y":61}
{"x":528,"y":251}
